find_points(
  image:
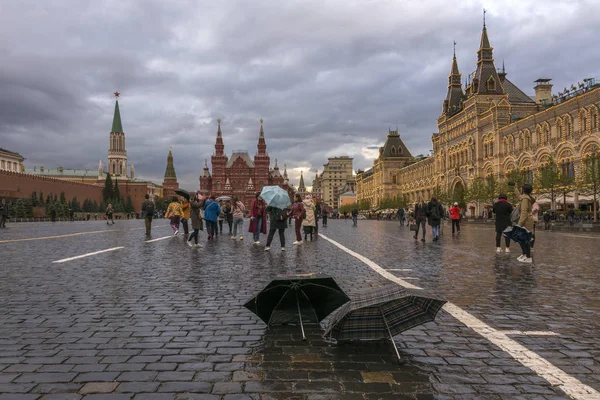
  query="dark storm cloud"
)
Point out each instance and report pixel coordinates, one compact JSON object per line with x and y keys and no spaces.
{"x":329,"y":78}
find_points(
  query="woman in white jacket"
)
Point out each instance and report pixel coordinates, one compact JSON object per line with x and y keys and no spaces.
{"x":309,"y":222}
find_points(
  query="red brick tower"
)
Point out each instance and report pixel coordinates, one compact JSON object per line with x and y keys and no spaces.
{"x":170,"y":183}
{"x":261,"y":162}
{"x":219,"y":163}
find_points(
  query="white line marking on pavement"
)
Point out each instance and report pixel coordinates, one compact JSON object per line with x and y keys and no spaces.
{"x":401,"y":269}
{"x":161,"y":238}
{"x":58,"y":236}
{"x":555,"y":376}
{"x":530,"y":333}
{"x":87,"y":255}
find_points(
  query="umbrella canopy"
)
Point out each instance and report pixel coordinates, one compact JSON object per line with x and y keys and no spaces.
{"x":518,"y":234}
{"x":223,"y":198}
{"x":285,"y":298}
{"x":183,"y":193}
{"x":383,"y":312}
{"x":276,"y":197}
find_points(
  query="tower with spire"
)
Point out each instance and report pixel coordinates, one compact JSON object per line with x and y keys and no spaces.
{"x":170,"y":183}
{"x":455,"y":94}
{"x":486,"y":80}
{"x":117,"y":155}
{"x":219,"y":161}
{"x":262,"y":161}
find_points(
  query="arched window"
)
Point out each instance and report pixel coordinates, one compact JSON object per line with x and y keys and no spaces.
{"x":261,"y":184}
{"x":393,"y":150}
{"x":491,"y":84}
{"x":218,"y":185}
{"x":528,"y":141}
{"x":583,"y":122}
{"x":2,"y":165}
{"x":492,"y":148}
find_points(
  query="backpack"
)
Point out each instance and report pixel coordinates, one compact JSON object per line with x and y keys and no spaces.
{"x":515,"y":215}
{"x":150,"y":208}
{"x":435,"y":212}
{"x":281,"y":215}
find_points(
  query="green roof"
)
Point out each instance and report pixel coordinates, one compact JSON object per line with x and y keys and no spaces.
{"x":116,"y":126}
{"x":170,"y":171}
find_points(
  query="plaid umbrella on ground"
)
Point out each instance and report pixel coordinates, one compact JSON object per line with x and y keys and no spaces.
{"x":290,"y":297}
{"x":381,"y":313}
{"x":518,"y":234}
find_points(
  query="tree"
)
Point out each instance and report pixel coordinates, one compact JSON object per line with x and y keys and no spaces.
{"x":160,"y":204}
{"x":117,"y":193}
{"x":441,"y":194}
{"x":55,"y":198}
{"x":95,"y":206}
{"x":48,"y":199}
{"x":63,"y":199}
{"x":107,"y":191}
{"x":548,"y":180}
{"x":493,"y":189}
{"x":19,"y":210}
{"x":34,"y":199}
{"x":591,"y":179}
{"x":364,"y":204}
{"x":75,"y":205}
{"x":41,"y":198}
{"x":129,"y":205}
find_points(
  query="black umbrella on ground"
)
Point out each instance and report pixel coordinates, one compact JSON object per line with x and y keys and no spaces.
{"x":382,"y":313}
{"x":290,"y":297}
{"x":183,"y":193}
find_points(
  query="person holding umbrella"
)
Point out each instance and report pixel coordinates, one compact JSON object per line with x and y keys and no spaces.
{"x":278,"y":223}
{"x":258,"y":218}
{"x":196,"y":204}
{"x":185,"y":215}
{"x":174,"y":214}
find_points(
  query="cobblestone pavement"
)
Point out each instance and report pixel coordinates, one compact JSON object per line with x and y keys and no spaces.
{"x":162,"y":321}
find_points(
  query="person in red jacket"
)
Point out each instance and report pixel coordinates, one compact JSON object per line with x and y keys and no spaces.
{"x":455,"y":217}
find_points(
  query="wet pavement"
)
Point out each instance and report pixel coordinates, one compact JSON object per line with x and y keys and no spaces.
{"x":159,"y":320}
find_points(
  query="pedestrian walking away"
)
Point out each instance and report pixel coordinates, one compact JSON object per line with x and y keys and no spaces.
{"x":258,"y":218}
{"x":317,"y":216}
{"x":185,"y":215}
{"x":421,"y":214}
{"x":196,"y":204}
{"x":455,"y":218}
{"x":526,"y":221}
{"x":228,"y":215}
{"x":298,"y":213}
{"x":309,"y":222}
{"x":278,"y":223}
{"x":503,"y":209}
{"x":148,"y":210}
{"x":212,"y":210}
{"x":174,"y":214}
{"x":221,"y":218}
{"x":238,"y":210}
{"x":325,"y":215}
{"x":109,"y":214}
{"x":547,"y":218}
{"x":436,"y":214}
{"x":401,"y":216}
{"x":3,"y":213}
{"x":354,"y":216}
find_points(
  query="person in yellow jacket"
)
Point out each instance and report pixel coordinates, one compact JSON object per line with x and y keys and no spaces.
{"x":185,"y":215}
{"x":174,"y":214}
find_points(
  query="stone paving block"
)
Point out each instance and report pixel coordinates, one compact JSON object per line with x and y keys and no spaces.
{"x":96,"y":377}
{"x":155,"y":396}
{"x":192,"y":387}
{"x":200,"y":366}
{"x":175,"y":376}
{"x":227,"y":388}
{"x":137,"y":387}
{"x":98,"y":387}
{"x":46,"y":377}
{"x":57,"y":388}
{"x":13,"y":396}
{"x":207,"y":376}
{"x":107,"y":396}
{"x":7,"y":378}
{"x":62,"y":396}
{"x":197,"y":396}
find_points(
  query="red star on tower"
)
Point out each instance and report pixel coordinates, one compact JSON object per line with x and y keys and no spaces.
{"x":117,"y":94}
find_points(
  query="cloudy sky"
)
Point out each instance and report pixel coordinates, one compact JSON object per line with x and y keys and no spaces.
{"x":327,"y":77}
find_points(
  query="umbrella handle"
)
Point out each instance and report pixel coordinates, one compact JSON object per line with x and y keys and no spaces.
{"x":390,"y":333}
{"x":300,"y":315}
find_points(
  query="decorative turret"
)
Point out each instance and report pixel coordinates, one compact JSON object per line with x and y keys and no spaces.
{"x":486,"y":80}
{"x":286,"y":180}
{"x":301,"y":187}
{"x":206,"y":171}
{"x":131,"y":172}
{"x":117,"y":155}
{"x":262,"y":145}
{"x":170,"y":183}
{"x":250,"y":186}
{"x":100,"y":170}
{"x":455,"y":95}
{"x":219,"y":146}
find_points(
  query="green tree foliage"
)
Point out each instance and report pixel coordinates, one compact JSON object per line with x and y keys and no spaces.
{"x":48,"y":199}
{"x":34,"y":199}
{"x":548,"y":180}
{"x":75,"y":205}
{"x":398,"y":201}
{"x":442,"y":195}
{"x":590,"y":182}
{"x":107,"y":191}
{"x":41,"y":200}
{"x":364,"y":204}
{"x":63,"y":199}
{"x":55,"y":199}
{"x":117,"y":193}
{"x":129,"y":205}
{"x":95,"y":207}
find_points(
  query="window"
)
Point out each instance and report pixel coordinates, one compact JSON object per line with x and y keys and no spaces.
{"x":218,"y":185}
{"x":393,"y":150}
{"x":568,"y":169}
{"x":491,"y":84}
{"x":2,"y":164}
{"x":492,"y":149}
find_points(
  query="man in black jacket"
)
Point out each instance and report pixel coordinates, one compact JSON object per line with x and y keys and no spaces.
{"x":148,"y":210}
{"x":502,"y":208}
{"x":3,"y":213}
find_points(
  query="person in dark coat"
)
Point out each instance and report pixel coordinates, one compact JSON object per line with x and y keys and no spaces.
{"x":258,"y":218}
{"x":148,"y":210}
{"x":401,"y":216}
{"x":421,"y":214}
{"x":502,"y":208}
{"x":196,"y":204}
{"x":436,"y":213}
{"x":3,"y":213}
{"x":278,"y":223}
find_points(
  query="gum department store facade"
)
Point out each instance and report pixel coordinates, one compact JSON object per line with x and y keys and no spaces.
{"x":490,"y":129}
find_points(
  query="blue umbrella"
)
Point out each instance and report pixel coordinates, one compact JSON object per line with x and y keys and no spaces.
{"x":276,"y":197}
{"x":518,"y":234}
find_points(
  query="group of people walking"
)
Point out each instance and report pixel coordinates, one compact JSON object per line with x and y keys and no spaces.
{"x":207,"y":210}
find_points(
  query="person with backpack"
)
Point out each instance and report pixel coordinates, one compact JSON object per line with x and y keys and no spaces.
{"x":455,"y":218}
{"x":278,"y":223}
{"x":258,"y":218}
{"x":196,"y":203}
{"x":298,"y":213}
{"x":503,"y":210}
{"x":436,"y":213}
{"x":421,"y":214}
{"x":526,"y":221}
{"x":237,"y":214}
{"x":109,"y":214}
{"x":148,"y":210}
{"x":400,"y":213}
{"x":212,"y":210}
